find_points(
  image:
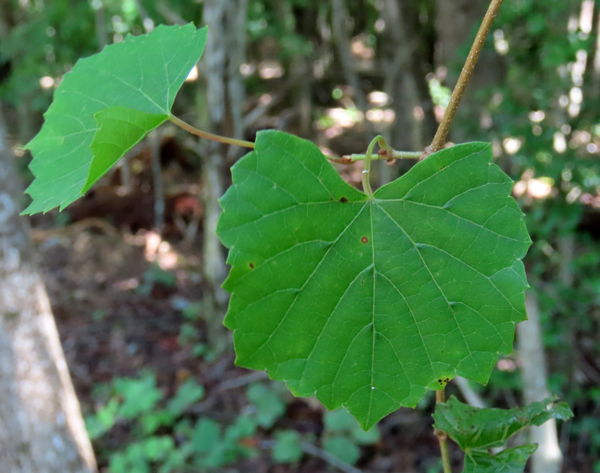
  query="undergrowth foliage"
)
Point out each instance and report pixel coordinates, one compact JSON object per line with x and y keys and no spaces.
{"x":365,"y":301}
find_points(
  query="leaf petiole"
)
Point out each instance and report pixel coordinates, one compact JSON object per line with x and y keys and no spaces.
{"x":210,"y":136}
{"x":440,"y":398}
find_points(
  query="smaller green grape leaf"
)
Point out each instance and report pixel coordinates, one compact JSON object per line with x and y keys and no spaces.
{"x":142,"y":73}
{"x":119,"y":130}
{"x":475,"y":428}
{"x":511,"y":460}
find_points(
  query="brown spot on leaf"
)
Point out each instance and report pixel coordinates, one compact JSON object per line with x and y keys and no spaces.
{"x":343,"y":200}
{"x":251,"y":265}
{"x":364,"y":239}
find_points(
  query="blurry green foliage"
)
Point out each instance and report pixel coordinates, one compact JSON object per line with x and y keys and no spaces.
{"x":343,"y":436}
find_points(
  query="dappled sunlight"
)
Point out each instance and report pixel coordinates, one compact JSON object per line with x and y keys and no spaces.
{"x":343,"y":117}
{"x":160,"y":251}
{"x":193,"y":75}
{"x":379,"y":98}
{"x":512,"y":145}
{"x":536,"y":188}
{"x":360,"y":48}
{"x":575,"y":100}
{"x":247,"y":69}
{"x":560,"y":142}
{"x":270,"y":70}
{"x":587,"y":16}
{"x":379,"y":115}
{"x":47,"y":82}
{"x":506,"y":364}
{"x":537,"y":116}
{"x":500,"y":43}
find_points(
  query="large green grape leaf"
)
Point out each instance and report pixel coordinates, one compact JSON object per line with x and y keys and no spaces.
{"x":477,"y":430}
{"x":142,"y":74}
{"x":366,"y":302}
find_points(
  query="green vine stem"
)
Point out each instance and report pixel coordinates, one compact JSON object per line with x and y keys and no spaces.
{"x":459,"y":91}
{"x":389,"y":155}
{"x":440,"y":398}
{"x":366,"y":174}
{"x":204,"y":134}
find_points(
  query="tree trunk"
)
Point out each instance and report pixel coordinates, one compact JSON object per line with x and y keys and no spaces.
{"x":41,"y":428}
{"x":223,"y":56}
{"x":548,"y":457}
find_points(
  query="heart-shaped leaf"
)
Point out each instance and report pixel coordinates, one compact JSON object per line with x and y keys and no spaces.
{"x":366,"y":302}
{"x":142,"y":74}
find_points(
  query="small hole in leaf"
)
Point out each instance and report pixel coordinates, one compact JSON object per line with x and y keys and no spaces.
{"x":251,"y":265}
{"x":364,"y":239}
{"x":343,"y":200}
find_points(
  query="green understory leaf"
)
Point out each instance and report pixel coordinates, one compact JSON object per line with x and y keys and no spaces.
{"x":141,"y":74}
{"x":288,"y":447}
{"x":476,"y":430}
{"x":511,"y":460}
{"x":342,"y":448}
{"x":366,"y":302}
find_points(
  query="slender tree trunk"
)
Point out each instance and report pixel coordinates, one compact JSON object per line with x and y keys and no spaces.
{"x":41,"y":428}
{"x":225,"y":52}
{"x":548,"y":457}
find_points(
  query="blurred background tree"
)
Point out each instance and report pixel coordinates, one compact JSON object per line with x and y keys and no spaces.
{"x":336,"y":73}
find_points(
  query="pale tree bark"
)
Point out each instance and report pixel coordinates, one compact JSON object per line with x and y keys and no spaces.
{"x":41,"y":427}
{"x":548,"y":457}
{"x":224,"y":54}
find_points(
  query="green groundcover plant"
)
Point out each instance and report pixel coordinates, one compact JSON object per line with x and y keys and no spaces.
{"x":365,"y":300}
